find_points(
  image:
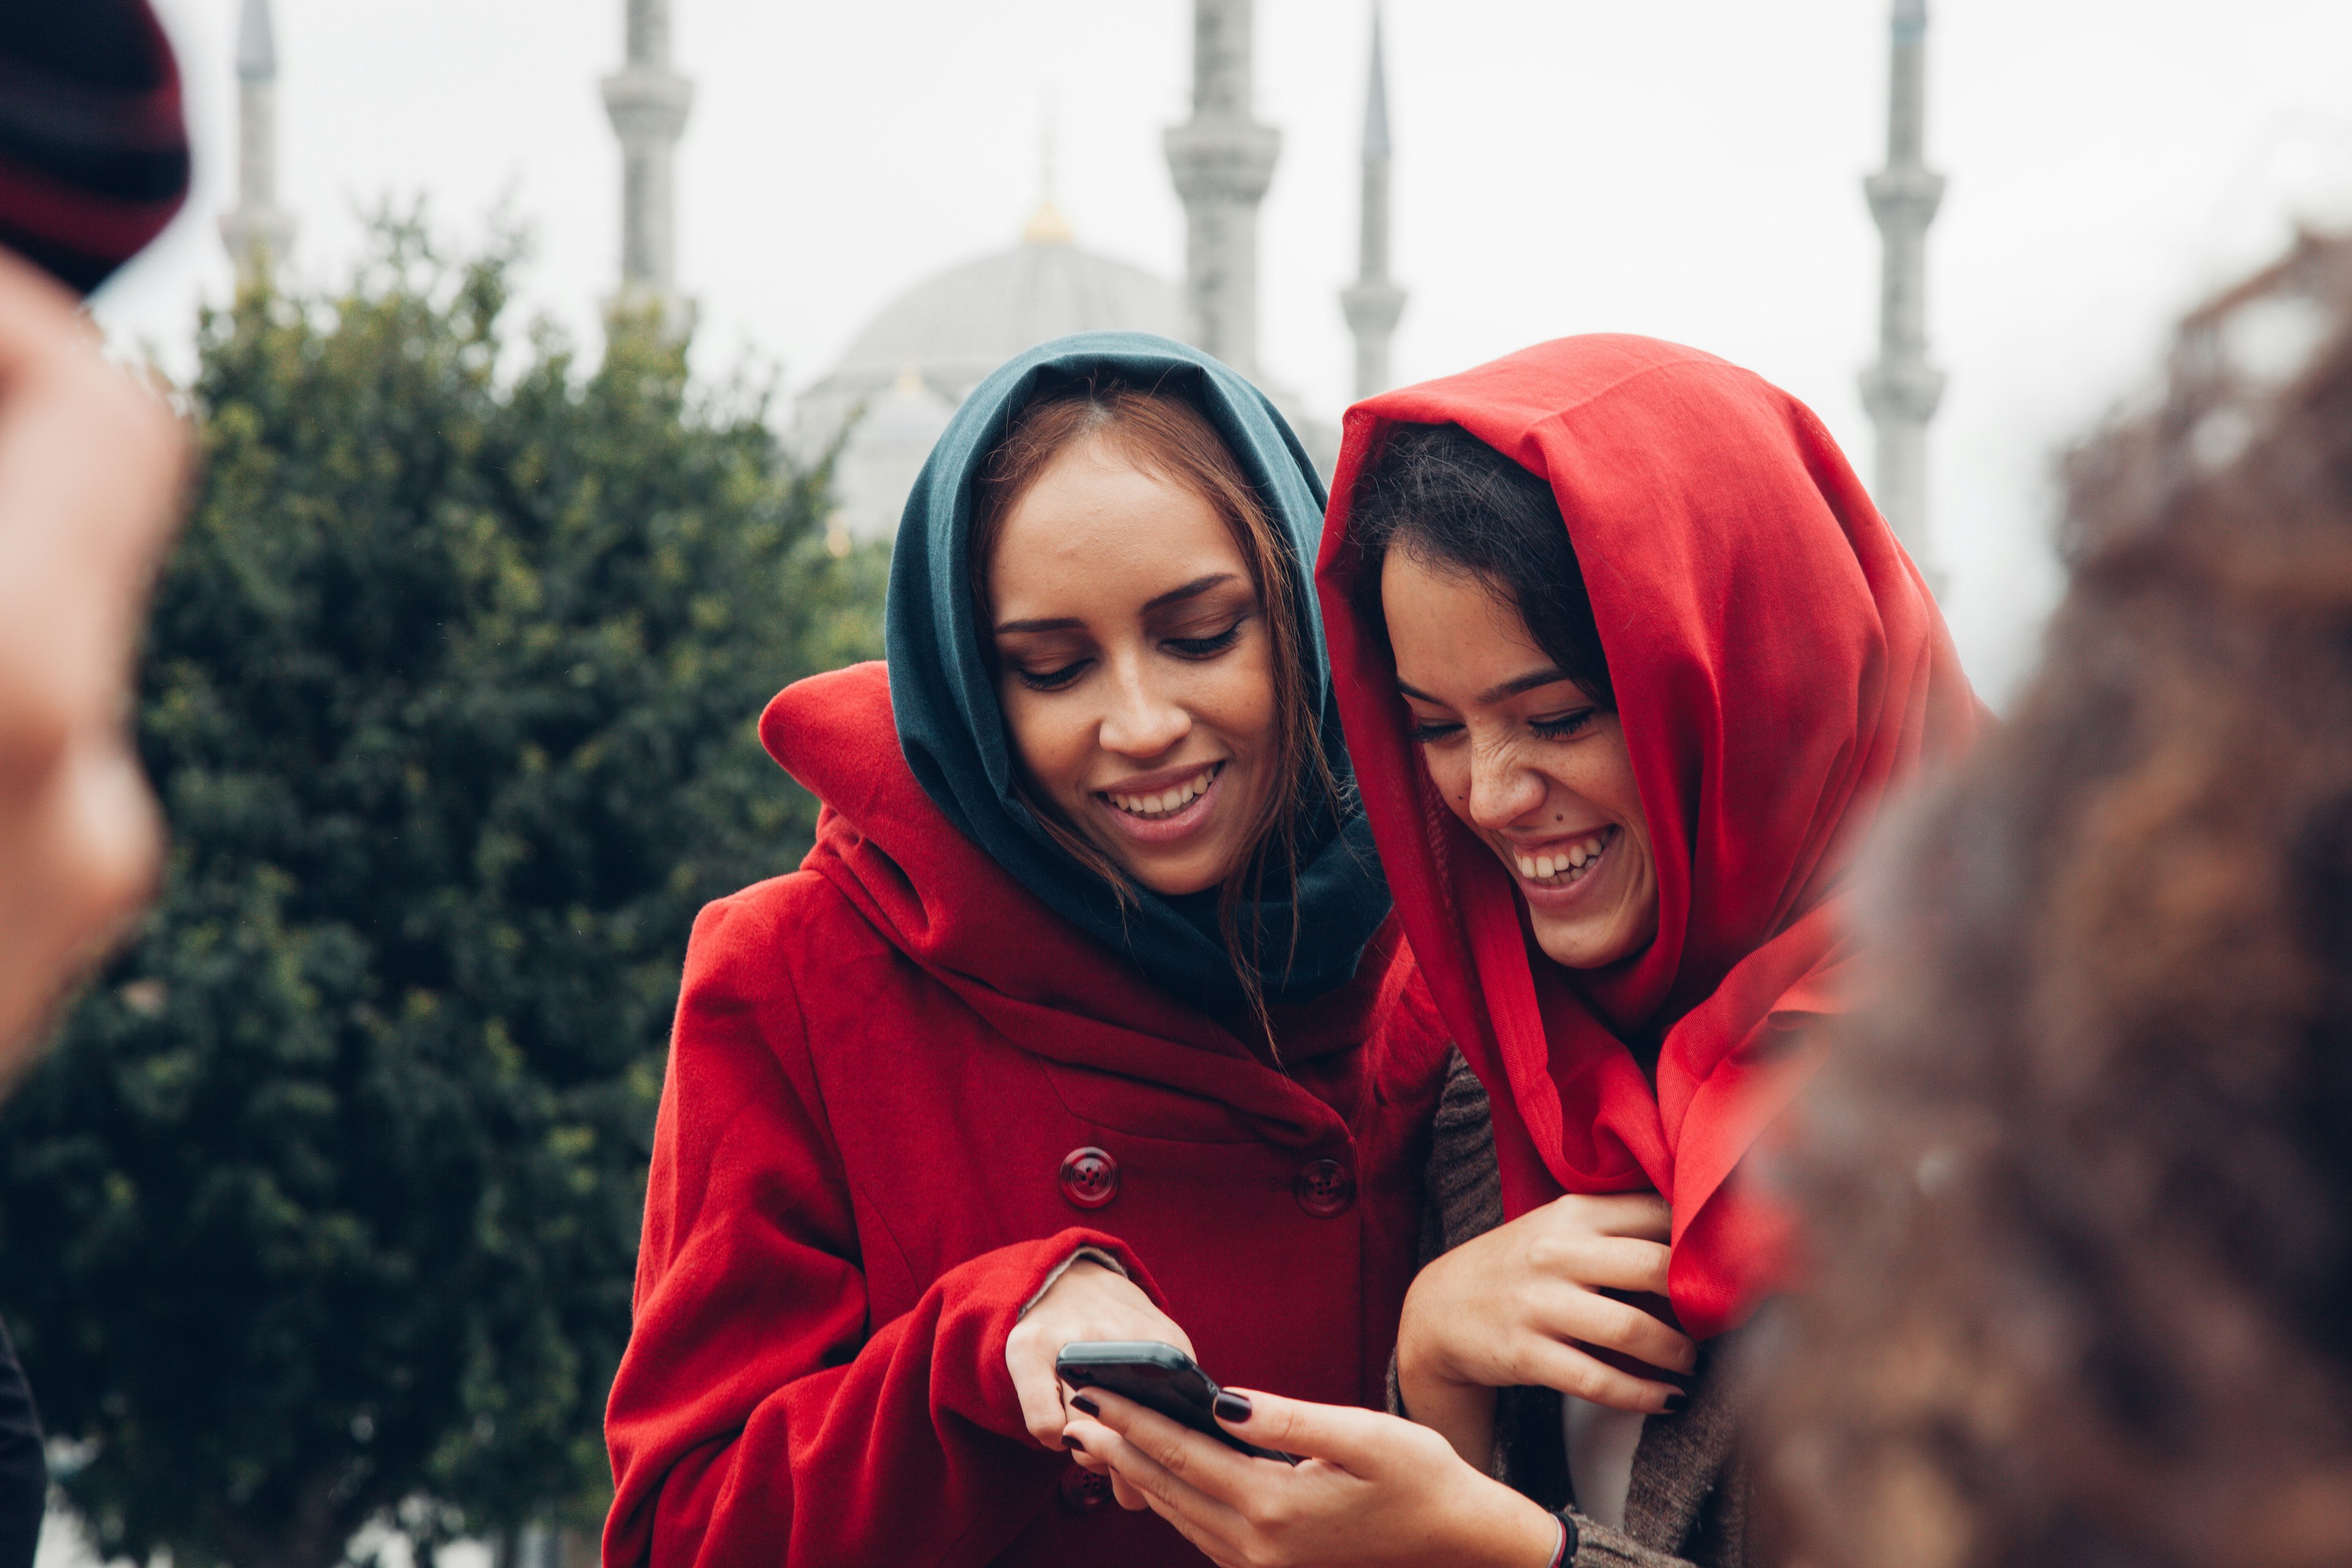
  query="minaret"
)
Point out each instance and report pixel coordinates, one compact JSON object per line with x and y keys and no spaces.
{"x":259,"y":233}
{"x":648,"y":102}
{"x":1373,"y":304}
{"x":1047,"y":226}
{"x":1901,"y":390}
{"x":1222,"y":160}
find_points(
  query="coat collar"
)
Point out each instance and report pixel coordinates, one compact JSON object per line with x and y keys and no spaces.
{"x":1038,"y":979}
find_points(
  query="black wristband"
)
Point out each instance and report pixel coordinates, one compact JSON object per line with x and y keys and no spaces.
{"x":1568,"y":1537}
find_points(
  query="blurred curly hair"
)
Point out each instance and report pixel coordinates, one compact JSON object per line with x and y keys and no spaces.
{"x":2080,"y":1179}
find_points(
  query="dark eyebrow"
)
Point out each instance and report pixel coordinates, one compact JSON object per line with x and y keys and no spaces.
{"x":1192,"y":590}
{"x":1511,"y":688}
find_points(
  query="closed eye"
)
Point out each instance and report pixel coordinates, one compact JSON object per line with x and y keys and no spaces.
{"x":1208,"y":647}
{"x":1427,"y":732}
{"x":1565,"y":726}
{"x":1052,"y":679}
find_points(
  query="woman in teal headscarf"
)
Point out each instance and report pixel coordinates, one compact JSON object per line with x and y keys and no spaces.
{"x":1085,"y":1019}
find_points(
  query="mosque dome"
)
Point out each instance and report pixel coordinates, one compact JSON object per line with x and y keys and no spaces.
{"x":960,"y":324}
{"x":916,"y":360}
{"x":905,"y":374}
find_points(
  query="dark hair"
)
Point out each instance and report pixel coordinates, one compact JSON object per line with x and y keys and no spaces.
{"x":1451,"y":503}
{"x":2080,"y":1185}
{"x":1164,"y":435}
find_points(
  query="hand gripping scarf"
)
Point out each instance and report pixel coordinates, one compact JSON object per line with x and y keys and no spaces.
{"x":1779,"y":664}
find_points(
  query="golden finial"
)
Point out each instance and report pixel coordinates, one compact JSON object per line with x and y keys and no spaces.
{"x":1046,"y":226}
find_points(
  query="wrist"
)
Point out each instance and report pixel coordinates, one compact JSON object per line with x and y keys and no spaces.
{"x":1520,"y":1534}
{"x":1570,"y":1538}
{"x":1421,"y":1359}
{"x":1461,"y":1413}
{"x":1080,"y":1260}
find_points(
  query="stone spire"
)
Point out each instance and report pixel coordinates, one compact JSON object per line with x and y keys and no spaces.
{"x":1222,"y":160}
{"x":1373,"y":304}
{"x":1901,"y":390}
{"x":648,"y":102}
{"x":258,"y":232}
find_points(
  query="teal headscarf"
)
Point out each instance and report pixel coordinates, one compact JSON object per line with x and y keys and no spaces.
{"x":952,"y":731}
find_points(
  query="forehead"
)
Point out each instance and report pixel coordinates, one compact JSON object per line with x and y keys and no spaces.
{"x":1450,"y":627}
{"x":1093,"y":531}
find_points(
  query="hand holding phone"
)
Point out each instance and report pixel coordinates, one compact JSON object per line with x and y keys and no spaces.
{"x":1157,"y":1377}
{"x":1088,"y":1301}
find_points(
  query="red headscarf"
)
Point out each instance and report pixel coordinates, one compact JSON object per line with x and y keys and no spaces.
{"x":1778,"y":664}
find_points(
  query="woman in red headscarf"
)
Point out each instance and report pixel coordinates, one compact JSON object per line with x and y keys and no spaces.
{"x":1628,"y":663}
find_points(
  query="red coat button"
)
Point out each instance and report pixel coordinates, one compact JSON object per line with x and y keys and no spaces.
{"x":1083,"y":1491}
{"x":1090,"y":1180}
{"x":1325,"y":1188}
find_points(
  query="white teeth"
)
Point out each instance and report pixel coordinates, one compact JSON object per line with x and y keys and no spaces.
{"x":1573,"y":859}
{"x":1166,"y":801}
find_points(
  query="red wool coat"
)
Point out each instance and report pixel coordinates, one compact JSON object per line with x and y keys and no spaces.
{"x":882,"y":1066}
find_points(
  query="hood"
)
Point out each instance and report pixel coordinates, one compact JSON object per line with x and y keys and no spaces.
{"x":952,"y":730}
{"x":1779,"y":665}
{"x":1048,"y":987}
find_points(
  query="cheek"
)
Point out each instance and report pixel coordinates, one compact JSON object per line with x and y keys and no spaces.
{"x":1624,"y":794}
{"x":1581,"y":777}
{"x":1235,"y":695}
{"x":1449,"y":772}
{"x":1048,"y":736}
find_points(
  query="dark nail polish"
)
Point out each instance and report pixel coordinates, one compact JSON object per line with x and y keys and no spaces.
{"x":1232,"y":1407}
{"x":1677,"y":1403}
{"x":1079,"y":1401}
{"x":1074,"y":1443}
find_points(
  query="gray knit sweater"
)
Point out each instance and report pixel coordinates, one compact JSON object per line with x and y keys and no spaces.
{"x":1688,"y":1501}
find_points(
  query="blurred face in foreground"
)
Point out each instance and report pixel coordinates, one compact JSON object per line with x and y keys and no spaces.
{"x":90,"y":466}
{"x":1135,"y":667}
{"x":1527,"y":760}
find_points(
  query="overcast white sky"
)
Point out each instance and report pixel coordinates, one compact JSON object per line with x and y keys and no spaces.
{"x":1689,"y":170}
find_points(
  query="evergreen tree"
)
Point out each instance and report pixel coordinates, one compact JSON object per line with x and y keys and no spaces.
{"x":325,"y":1208}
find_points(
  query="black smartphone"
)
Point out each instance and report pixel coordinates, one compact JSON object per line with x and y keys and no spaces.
{"x":1157,"y":1377}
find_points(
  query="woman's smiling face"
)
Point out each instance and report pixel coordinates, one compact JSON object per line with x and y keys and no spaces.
{"x":1526,"y":758}
{"x":1134,"y":667}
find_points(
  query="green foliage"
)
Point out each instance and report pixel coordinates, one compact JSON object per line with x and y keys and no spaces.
{"x":325,"y":1209}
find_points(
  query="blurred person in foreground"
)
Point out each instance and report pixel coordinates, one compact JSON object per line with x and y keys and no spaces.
{"x":93,"y":163}
{"x":2083,"y":1179}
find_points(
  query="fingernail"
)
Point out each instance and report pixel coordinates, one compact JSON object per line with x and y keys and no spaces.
{"x":1232,"y":1407}
{"x":1074,"y":1443}
{"x":1676,"y":1403}
{"x":1081,"y":1402}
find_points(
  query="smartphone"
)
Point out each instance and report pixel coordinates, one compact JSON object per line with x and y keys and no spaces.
{"x":1157,"y":1377}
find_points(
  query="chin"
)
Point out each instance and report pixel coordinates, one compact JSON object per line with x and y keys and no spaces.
{"x":1577,"y":949}
{"x":1170,"y":884}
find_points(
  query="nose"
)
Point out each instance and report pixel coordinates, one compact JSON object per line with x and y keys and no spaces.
{"x":1142,"y":722}
{"x":1502,"y":788}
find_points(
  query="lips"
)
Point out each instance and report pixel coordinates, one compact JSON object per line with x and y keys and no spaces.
{"x":1157,"y":803}
{"x":1564,"y":866}
{"x":1162,"y":808}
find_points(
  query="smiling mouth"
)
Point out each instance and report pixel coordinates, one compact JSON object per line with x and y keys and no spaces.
{"x":1158,"y":805}
{"x":1564,"y":868}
